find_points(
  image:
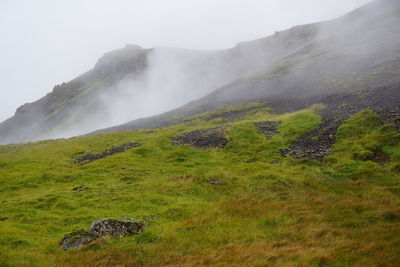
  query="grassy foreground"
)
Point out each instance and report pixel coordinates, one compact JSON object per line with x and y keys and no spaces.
{"x":271,"y":211}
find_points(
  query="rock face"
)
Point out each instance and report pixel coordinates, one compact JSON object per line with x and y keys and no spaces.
{"x":100,"y":228}
{"x":202,"y":139}
{"x":269,"y":128}
{"x":89,"y":157}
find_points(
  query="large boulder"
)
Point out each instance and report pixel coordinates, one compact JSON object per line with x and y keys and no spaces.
{"x":118,"y":228}
{"x":100,"y":228}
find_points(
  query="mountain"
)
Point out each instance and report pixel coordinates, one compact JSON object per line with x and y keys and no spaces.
{"x":354,"y":53}
{"x":135,"y":82}
{"x":357,"y":51}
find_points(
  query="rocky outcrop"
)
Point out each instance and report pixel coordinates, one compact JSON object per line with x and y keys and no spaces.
{"x":100,"y":228}
{"x":202,"y":139}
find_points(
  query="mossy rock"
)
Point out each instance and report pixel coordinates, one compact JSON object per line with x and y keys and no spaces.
{"x":118,"y":228}
{"x":77,"y":239}
{"x":100,"y":228}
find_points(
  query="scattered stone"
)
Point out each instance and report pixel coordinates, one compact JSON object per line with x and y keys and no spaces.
{"x":215,"y":182}
{"x":316,"y":144}
{"x":100,"y":228}
{"x":89,"y":157}
{"x":80,"y":188}
{"x":202,"y":139}
{"x":77,"y":239}
{"x":269,"y":128}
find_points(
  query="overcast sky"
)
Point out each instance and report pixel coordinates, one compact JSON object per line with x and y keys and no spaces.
{"x":46,"y":42}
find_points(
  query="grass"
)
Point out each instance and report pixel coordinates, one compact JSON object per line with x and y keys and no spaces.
{"x":271,"y":211}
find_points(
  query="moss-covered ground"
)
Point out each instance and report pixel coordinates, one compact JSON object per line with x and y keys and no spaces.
{"x":270,"y":211}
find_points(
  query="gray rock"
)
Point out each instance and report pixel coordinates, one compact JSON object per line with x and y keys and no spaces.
{"x":119,"y":228}
{"x":80,"y":188}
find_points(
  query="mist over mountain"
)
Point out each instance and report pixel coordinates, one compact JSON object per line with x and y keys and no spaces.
{"x":357,"y":51}
{"x":281,"y":151}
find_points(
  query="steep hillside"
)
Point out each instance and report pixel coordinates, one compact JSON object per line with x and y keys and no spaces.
{"x":217,"y":190}
{"x":355,"y":53}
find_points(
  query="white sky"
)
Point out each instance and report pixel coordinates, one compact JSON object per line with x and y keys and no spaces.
{"x":46,"y":42}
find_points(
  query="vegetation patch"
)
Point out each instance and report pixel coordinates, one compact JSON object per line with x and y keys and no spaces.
{"x":241,"y":204}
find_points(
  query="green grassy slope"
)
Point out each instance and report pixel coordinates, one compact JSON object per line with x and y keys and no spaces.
{"x":270,"y":211}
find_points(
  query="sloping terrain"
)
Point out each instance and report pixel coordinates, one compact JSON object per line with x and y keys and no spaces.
{"x":293,"y":161}
{"x":243,"y":204}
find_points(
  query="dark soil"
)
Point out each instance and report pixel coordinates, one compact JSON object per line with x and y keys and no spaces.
{"x":318,"y":143}
{"x":202,"y":139}
{"x":269,"y":128}
{"x":89,"y":157}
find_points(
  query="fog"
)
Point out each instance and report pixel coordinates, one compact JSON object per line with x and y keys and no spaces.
{"x":47,"y":42}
